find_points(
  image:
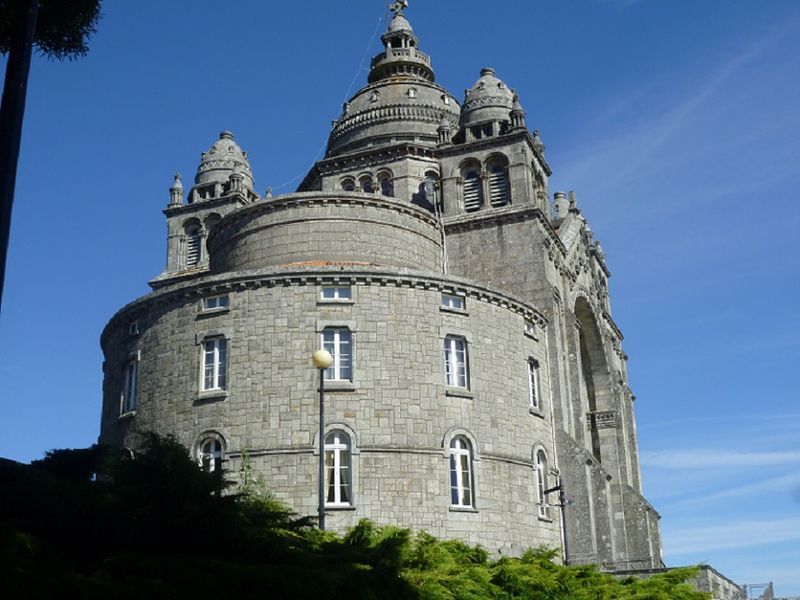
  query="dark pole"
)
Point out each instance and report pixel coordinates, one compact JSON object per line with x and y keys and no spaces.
{"x":562,"y":500}
{"x":322,"y":449}
{"x":11,"y":114}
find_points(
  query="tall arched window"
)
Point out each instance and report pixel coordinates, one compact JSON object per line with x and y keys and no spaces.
{"x":366,"y":184}
{"x":462,"y":492}
{"x":473,"y":192}
{"x":210,"y":453}
{"x":338,"y":472}
{"x":540,"y":467}
{"x":498,"y":182}
{"x":386,"y":185}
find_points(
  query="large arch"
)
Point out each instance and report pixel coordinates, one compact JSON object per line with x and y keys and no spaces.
{"x":596,"y":387}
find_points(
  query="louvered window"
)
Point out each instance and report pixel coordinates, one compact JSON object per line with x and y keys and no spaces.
{"x":473,"y":198}
{"x":498,"y":186}
{"x":193,"y":248}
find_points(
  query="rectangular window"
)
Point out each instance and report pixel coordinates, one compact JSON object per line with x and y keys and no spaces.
{"x":133,"y":328}
{"x":530,"y":328}
{"x":455,"y":361}
{"x":330,"y":292}
{"x":129,"y":383}
{"x":453,"y":302}
{"x":216,"y":302}
{"x":339,"y":342}
{"x":534,"y":396}
{"x":215,"y":363}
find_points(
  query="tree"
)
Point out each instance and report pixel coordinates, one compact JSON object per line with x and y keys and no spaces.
{"x":59,"y":30}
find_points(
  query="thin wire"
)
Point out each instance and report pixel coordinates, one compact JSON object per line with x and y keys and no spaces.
{"x":346,"y":96}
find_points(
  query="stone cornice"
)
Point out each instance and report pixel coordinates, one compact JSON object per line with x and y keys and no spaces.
{"x":517,"y":135}
{"x":372,"y":156}
{"x":233,"y":198}
{"x":302,"y":275}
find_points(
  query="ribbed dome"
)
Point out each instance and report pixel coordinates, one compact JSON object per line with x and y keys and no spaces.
{"x":221,"y":160}
{"x":399,"y":23}
{"x":401,"y":103}
{"x":488,"y":100}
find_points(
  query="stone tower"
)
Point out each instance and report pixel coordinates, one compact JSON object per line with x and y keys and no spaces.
{"x":476,"y":362}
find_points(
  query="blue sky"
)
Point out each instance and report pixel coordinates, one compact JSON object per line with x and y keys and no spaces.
{"x":677,"y":123}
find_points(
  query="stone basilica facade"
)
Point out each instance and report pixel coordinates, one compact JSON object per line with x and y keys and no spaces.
{"x":476,"y":361}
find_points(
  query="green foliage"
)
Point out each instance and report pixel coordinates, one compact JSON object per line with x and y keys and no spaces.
{"x":62,"y":27}
{"x":154,"y":525}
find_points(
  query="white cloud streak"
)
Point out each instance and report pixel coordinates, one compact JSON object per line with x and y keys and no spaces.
{"x":701,"y":458}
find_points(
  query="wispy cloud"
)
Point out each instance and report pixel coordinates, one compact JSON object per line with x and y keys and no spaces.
{"x":736,"y":534}
{"x":703,"y":458}
{"x":784,"y":483}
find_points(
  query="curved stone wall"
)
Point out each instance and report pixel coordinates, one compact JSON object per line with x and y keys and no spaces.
{"x":343,"y":227}
{"x":398,"y":407}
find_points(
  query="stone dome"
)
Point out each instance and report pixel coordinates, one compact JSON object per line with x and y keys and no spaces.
{"x":223,"y":158}
{"x":399,"y":23}
{"x":488,"y":100}
{"x":401,"y":102}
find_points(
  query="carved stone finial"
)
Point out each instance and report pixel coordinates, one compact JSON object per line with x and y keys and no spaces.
{"x":177,"y":181}
{"x":398,"y":6}
{"x":268,"y":193}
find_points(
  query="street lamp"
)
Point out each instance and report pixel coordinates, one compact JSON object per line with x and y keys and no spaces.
{"x":322,"y":359}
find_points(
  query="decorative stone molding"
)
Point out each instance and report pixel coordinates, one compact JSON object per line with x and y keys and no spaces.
{"x":603,"y":419}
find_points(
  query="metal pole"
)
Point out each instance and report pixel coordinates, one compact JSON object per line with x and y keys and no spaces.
{"x":562,"y":500}
{"x":322,"y":449}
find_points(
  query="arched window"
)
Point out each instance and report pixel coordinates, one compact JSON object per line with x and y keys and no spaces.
{"x":473,"y":192}
{"x":338,"y":471}
{"x":462,"y":493}
{"x":366,"y":184}
{"x":192,"y":231}
{"x":386,"y":185}
{"x":210,"y":453}
{"x":540,"y":467}
{"x":348,"y":185}
{"x":498,"y":183}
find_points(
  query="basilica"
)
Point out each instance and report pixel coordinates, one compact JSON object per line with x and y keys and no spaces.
{"x":478,"y":389}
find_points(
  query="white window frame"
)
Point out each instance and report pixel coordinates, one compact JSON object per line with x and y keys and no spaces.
{"x":339,"y":342}
{"x":218,"y":302}
{"x":534,"y":385}
{"x":462,"y":479}
{"x":210,"y":459}
{"x":338,"y":475}
{"x":336,"y":292}
{"x":530,"y":328}
{"x":130,"y":386}
{"x":456,"y":361}
{"x":540,"y":470}
{"x":214,"y":363}
{"x":453,"y":302}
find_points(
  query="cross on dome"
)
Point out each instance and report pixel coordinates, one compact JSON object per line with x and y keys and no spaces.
{"x":398,"y":6}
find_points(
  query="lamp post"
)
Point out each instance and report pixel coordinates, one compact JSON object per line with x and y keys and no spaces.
{"x":322,"y":360}
{"x":562,"y":503}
